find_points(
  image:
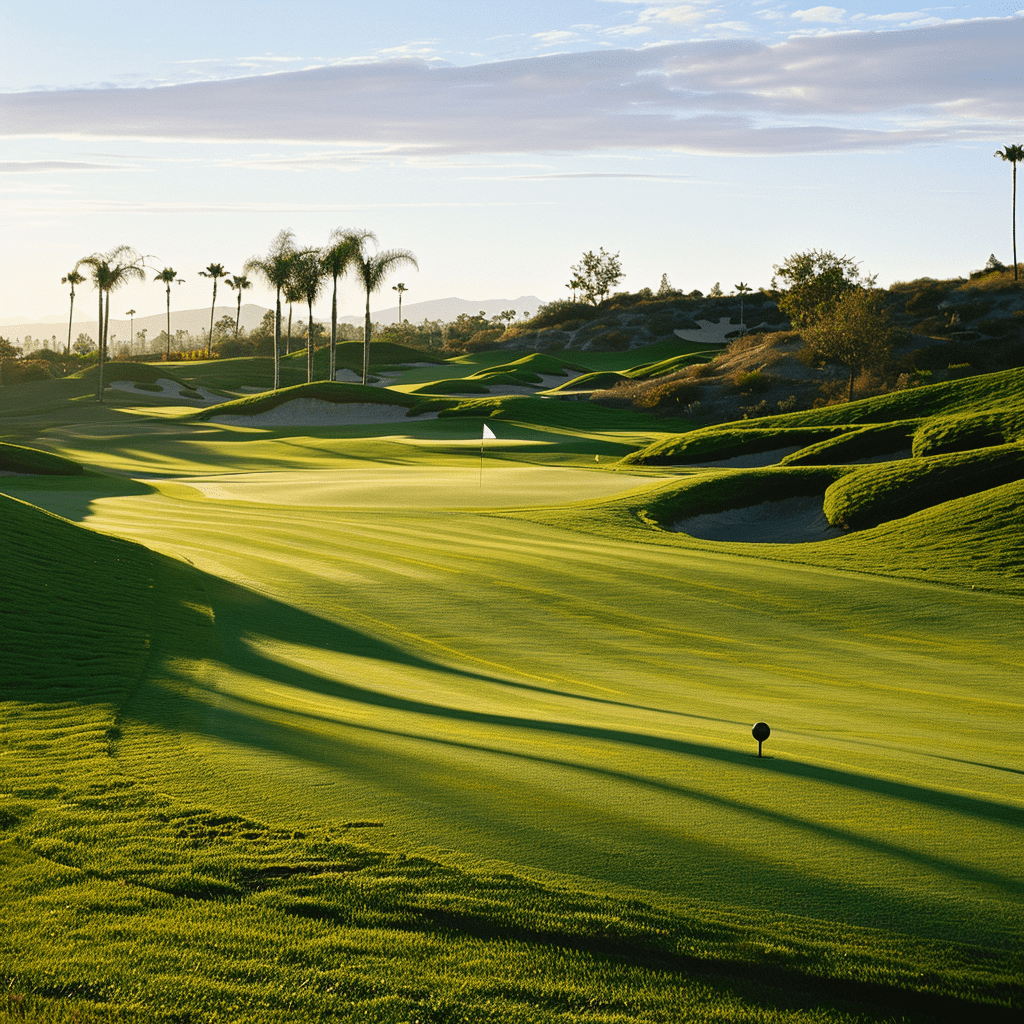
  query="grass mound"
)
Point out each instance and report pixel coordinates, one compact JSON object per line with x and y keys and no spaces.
{"x":865,"y":443}
{"x":18,"y":459}
{"x":324,"y":390}
{"x":115,"y":371}
{"x":728,"y":442}
{"x":975,"y":430}
{"x":872,"y":495}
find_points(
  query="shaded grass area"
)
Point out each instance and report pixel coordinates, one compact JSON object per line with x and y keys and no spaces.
{"x":122,"y":903}
{"x":18,"y":459}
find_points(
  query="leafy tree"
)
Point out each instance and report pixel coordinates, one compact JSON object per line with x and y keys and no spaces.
{"x":83,"y":345}
{"x":72,"y":279}
{"x":716,"y":291}
{"x":813,"y":281}
{"x":238,"y":283}
{"x":169,"y":276}
{"x":1013,"y":155}
{"x":665,"y":288}
{"x":341,"y":252}
{"x":275,"y":269}
{"x":214,"y":270}
{"x":308,"y":276}
{"x":596,"y":275}
{"x":110,"y":271}
{"x":852,"y":331}
{"x":372,"y":272}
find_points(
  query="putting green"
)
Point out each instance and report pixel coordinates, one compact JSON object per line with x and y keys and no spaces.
{"x":493,"y":484}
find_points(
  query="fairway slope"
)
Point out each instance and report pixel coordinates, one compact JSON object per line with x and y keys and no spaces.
{"x":125,"y":898}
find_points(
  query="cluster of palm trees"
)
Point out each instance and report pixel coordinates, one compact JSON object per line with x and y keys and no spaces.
{"x":302,"y":275}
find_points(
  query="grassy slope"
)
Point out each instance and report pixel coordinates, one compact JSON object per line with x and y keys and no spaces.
{"x":598,"y":728}
{"x":125,"y":903}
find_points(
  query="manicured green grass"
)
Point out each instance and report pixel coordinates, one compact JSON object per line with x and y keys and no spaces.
{"x":15,"y":458}
{"x":372,"y":756}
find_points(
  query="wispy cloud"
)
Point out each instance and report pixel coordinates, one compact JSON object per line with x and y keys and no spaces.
{"x":833,"y":92}
{"x":44,"y":166}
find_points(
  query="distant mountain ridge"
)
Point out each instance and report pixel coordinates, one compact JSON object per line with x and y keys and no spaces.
{"x":197,"y":320}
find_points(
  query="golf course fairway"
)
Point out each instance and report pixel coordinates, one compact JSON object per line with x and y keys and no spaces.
{"x":364,"y":633}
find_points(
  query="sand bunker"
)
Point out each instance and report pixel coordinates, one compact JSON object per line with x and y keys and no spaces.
{"x":314,"y":412}
{"x":789,"y":521}
{"x":754,"y":460}
{"x":170,"y":390}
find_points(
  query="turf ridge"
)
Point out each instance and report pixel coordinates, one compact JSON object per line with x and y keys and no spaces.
{"x":124,"y":904}
{"x":16,"y":458}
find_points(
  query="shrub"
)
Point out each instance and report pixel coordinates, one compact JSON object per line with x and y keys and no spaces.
{"x":751,"y":382}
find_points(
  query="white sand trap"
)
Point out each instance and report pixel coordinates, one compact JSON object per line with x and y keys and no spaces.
{"x":554,"y":380}
{"x":171,"y":390}
{"x":752,"y":461}
{"x":511,"y":389}
{"x":790,"y":521}
{"x":710,"y":332}
{"x":315,"y":412}
{"x":348,"y":376}
{"x":384,"y":486}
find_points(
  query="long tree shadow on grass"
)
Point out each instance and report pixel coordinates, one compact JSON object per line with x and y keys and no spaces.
{"x":250,"y":616}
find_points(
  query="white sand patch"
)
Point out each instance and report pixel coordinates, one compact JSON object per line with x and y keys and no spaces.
{"x":752,"y":461}
{"x":554,"y":380}
{"x":348,"y":376}
{"x":171,"y":390}
{"x":315,"y":412}
{"x":789,"y":521}
{"x":710,"y":332}
{"x":511,"y":389}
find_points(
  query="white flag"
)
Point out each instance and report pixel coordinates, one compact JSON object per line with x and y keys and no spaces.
{"x":488,"y":433}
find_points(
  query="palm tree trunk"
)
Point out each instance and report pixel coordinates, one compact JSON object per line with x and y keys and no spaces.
{"x":209,"y":340}
{"x":277,"y":343}
{"x":366,"y":340}
{"x":288,"y":340}
{"x":168,"y":354}
{"x":334,"y":327}
{"x":238,"y":315}
{"x":99,"y":331}
{"x":1015,"y":271}
{"x":309,"y":345}
{"x":71,"y":317}
{"x":849,"y":396}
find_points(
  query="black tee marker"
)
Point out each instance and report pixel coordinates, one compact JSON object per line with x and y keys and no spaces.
{"x":760,"y":732}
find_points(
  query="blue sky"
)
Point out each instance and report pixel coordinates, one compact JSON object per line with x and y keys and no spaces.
{"x":703,"y":140}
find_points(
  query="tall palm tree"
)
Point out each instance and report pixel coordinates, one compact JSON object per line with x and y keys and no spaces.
{"x":110,"y":270}
{"x":72,"y":279}
{"x":239,"y":283}
{"x":1014,"y":155}
{"x":308,"y":275}
{"x":275,"y":269}
{"x":372,"y":271}
{"x":292,"y":294}
{"x":742,"y":289}
{"x":214,"y":270}
{"x":341,"y":252}
{"x":400,"y":288}
{"x":131,"y":330}
{"x":169,"y":276}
